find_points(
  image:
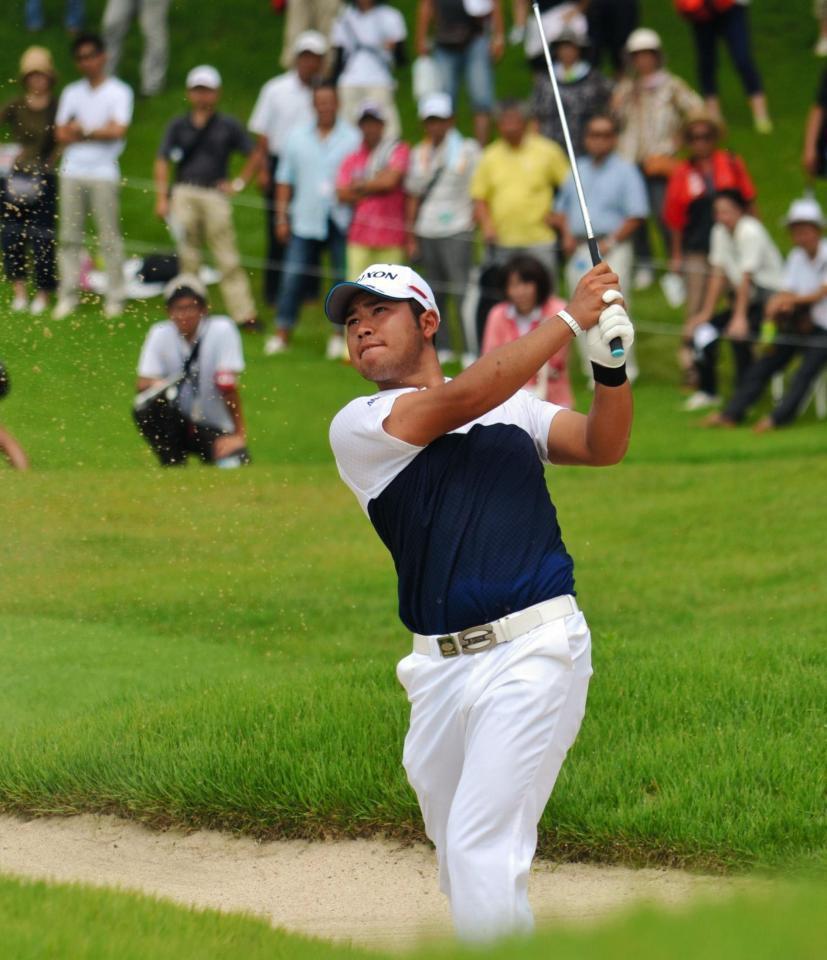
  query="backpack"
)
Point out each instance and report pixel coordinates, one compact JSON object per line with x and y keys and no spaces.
{"x":702,"y":10}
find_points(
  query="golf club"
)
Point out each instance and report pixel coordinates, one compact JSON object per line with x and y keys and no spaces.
{"x":616,"y":346}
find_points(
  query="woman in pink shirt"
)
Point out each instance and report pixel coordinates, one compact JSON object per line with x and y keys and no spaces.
{"x":529,"y":301}
{"x":371,"y":182}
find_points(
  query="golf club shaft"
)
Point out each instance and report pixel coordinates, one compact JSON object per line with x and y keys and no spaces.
{"x":616,"y":346}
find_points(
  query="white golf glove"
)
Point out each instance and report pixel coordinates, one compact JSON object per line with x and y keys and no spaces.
{"x":613,"y":322}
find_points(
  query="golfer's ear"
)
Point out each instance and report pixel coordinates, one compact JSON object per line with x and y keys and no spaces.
{"x":428,"y":323}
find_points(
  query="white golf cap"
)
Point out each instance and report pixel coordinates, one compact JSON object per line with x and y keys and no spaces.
{"x":436,"y":105}
{"x":643,"y":39}
{"x":185,"y":283}
{"x":805,"y":210}
{"x":389,"y":281}
{"x":310,"y":41}
{"x":204,"y":76}
{"x":371,"y":108}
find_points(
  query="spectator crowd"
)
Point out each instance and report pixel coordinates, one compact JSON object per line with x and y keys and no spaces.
{"x":490,"y":215}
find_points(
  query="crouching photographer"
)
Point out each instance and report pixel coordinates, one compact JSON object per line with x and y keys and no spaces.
{"x":188,"y":399}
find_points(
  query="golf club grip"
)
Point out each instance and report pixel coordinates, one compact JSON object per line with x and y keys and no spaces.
{"x":616,"y":344}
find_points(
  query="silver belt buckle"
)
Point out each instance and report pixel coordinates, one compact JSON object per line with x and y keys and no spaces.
{"x":477,"y":639}
{"x":472,"y":640}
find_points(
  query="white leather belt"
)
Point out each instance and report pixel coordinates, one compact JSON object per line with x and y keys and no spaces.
{"x":487,"y":635}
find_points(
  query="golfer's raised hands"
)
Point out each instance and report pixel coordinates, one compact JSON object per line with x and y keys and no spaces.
{"x":587,"y":302}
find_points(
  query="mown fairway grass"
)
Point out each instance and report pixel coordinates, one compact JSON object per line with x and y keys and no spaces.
{"x":61,"y":921}
{"x":217,"y":649}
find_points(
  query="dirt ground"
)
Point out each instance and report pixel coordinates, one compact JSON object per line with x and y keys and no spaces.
{"x":374,"y":893}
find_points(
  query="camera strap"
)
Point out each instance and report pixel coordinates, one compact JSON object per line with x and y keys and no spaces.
{"x":190,"y":372}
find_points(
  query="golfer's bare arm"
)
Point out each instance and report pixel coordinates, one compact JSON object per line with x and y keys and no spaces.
{"x":601,"y":437}
{"x":144,"y":383}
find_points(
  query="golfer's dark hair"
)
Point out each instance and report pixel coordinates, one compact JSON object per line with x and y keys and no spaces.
{"x":87,"y":40}
{"x":417,"y":310}
{"x":530,"y":270}
{"x":734,"y":196}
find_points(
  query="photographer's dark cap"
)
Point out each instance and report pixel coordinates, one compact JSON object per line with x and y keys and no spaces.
{"x":183,"y":285}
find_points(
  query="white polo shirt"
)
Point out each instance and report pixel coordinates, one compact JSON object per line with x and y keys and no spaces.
{"x":804,"y":276}
{"x":165,"y":351}
{"x":94,"y":107}
{"x":747,"y":249}
{"x":365,"y":36}
{"x":283,"y":103}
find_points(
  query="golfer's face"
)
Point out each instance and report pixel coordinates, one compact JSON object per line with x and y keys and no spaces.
{"x":383,"y":337}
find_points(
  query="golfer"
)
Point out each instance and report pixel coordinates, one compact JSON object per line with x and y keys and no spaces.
{"x":450,"y":473}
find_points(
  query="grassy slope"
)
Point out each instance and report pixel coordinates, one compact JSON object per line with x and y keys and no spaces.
{"x":218,"y":648}
{"x":84,"y":924}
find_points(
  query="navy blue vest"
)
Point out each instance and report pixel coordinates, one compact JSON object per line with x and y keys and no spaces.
{"x":472,"y":530}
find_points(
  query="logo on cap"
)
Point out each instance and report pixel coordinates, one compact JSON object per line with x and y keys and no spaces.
{"x":378,"y":275}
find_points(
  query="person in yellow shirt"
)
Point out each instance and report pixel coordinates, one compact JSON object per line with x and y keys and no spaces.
{"x":513,"y":189}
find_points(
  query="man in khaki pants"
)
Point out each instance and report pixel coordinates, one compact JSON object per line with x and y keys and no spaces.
{"x":304,"y":15}
{"x":198,"y":209}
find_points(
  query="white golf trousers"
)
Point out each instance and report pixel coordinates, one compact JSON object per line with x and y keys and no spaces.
{"x":488,"y":735}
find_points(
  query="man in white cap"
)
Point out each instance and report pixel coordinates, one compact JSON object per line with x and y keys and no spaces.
{"x":371,"y":181}
{"x":284,"y":103}
{"x":440,"y":212}
{"x":200,"y":145}
{"x":188,"y":400}
{"x":450,"y":474}
{"x":797,"y":316}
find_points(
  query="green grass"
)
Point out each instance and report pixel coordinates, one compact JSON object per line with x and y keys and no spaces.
{"x":213,"y":648}
{"x":78,"y":923}
{"x":242,"y":676}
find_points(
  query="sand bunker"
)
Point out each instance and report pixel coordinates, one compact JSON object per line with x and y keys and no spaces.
{"x":374,"y":893}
